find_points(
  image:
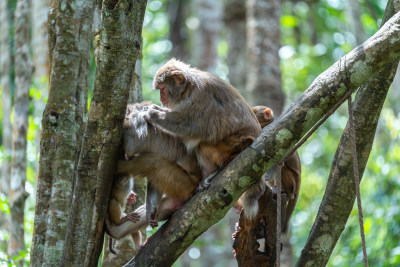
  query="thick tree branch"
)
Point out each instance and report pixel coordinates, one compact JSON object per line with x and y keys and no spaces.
{"x":208,"y":207}
{"x":338,"y":200}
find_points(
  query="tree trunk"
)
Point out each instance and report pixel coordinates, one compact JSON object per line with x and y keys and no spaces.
{"x":23,"y":73}
{"x":5,"y":65}
{"x":40,"y":59}
{"x":63,"y":126}
{"x":353,"y":12}
{"x":209,"y":14}
{"x":125,"y":245}
{"x":177,"y":29}
{"x":263,"y":44}
{"x":235,"y":24}
{"x":329,"y":89}
{"x":119,"y":45}
{"x":338,"y":200}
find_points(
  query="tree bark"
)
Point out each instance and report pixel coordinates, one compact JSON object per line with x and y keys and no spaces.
{"x":208,"y":207}
{"x":209,"y":14}
{"x":235,"y":24}
{"x":119,"y":45}
{"x":63,"y":124}
{"x":177,"y":30}
{"x":5,"y":63}
{"x":339,"y":196}
{"x":40,"y":59}
{"x":23,"y":73}
{"x":263,"y":43}
{"x":125,"y":245}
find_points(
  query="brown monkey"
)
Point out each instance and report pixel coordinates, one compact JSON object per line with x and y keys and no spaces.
{"x":121,"y":193}
{"x":159,"y":156}
{"x":290,"y":178}
{"x":207,"y":113}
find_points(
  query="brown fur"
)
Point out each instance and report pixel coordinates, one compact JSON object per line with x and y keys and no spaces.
{"x":290,"y":178}
{"x":207,"y":113}
{"x":162,"y":158}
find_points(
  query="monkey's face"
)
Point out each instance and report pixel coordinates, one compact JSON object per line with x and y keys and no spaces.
{"x":170,"y":80}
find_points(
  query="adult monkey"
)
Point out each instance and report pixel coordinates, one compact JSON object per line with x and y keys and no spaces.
{"x":207,"y":113}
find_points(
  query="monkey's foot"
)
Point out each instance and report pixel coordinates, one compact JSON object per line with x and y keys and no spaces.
{"x":131,"y":198}
{"x":144,"y":243}
{"x":237,"y":231}
{"x":153,"y":223}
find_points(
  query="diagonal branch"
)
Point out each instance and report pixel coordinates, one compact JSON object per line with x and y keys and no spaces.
{"x":338,"y":200}
{"x":207,"y":208}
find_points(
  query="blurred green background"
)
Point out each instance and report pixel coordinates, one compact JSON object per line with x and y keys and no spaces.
{"x":314,"y":34}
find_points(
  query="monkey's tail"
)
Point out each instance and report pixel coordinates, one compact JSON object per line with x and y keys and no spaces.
{"x":111,"y":246}
{"x":250,"y":198}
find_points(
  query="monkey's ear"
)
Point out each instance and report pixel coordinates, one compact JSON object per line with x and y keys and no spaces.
{"x":178,"y":76}
{"x":268,"y":113}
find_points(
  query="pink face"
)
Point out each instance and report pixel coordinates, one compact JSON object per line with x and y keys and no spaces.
{"x":163,"y":94}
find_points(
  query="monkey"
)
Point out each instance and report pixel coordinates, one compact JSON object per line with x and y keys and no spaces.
{"x":159,"y":156}
{"x":290,"y":178}
{"x":121,"y":192}
{"x":206,"y":113}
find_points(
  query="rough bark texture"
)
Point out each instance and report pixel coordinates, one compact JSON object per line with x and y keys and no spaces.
{"x":263,"y":43}
{"x":209,"y":14}
{"x":208,"y":207}
{"x":5,"y":62}
{"x":177,"y":29}
{"x":63,"y":124}
{"x":125,"y":245}
{"x":338,"y":200}
{"x":23,"y":73}
{"x":235,"y":24}
{"x":119,"y":45}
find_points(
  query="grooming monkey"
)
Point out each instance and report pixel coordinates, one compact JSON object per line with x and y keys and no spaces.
{"x":290,"y":178}
{"x":206,"y":113}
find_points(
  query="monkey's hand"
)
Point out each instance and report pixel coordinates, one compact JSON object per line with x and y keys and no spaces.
{"x":154,"y":114}
{"x":133,"y":216}
{"x":153,"y":221}
{"x":131,"y":198}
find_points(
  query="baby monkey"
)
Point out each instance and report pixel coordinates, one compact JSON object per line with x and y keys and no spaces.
{"x":121,"y":193}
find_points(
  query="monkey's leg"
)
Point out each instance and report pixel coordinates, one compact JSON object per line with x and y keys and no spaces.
{"x":137,"y":239}
{"x":165,"y":176}
{"x":153,"y":199}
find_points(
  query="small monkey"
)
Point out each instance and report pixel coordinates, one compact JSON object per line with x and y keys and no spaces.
{"x":206,"y":113}
{"x":121,"y":193}
{"x":290,"y":178}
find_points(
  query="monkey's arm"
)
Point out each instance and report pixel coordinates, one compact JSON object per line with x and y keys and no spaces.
{"x":119,"y":231}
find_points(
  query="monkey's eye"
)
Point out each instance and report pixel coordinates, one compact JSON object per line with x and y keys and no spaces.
{"x":161,"y":87}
